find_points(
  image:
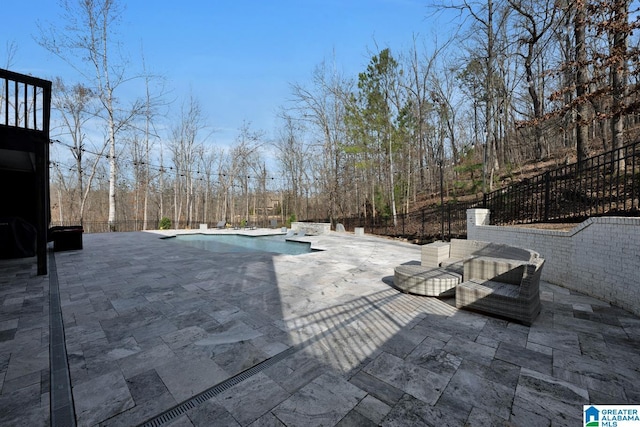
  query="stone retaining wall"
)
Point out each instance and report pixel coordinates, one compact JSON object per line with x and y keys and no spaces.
{"x":311,"y":228}
{"x":599,"y":257}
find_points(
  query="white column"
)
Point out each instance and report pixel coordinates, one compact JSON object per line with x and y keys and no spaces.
{"x":476,"y":218}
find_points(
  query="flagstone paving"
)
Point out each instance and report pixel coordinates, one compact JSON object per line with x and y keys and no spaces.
{"x":151,"y":323}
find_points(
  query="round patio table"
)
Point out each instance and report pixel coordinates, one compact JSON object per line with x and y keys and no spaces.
{"x":428,"y":281}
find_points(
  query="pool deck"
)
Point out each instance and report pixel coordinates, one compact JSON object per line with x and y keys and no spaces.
{"x":280,"y":340}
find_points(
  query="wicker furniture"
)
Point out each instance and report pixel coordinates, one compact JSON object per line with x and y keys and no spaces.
{"x":435,"y":282}
{"x":443,"y":265}
{"x":492,"y":286}
{"x":453,"y":254}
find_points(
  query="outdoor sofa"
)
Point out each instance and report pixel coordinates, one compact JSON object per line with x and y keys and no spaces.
{"x":513,"y":293}
{"x":451,"y":255}
{"x":490,"y":277}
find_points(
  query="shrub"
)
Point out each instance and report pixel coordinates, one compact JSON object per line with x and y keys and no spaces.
{"x":165,"y":223}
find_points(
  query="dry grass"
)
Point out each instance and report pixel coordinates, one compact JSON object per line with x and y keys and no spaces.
{"x":547,"y":226}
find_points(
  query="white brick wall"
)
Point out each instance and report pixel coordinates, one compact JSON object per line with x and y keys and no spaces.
{"x":599,"y":257}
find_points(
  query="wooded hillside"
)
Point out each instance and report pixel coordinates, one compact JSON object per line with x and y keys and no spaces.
{"x":524,"y":85}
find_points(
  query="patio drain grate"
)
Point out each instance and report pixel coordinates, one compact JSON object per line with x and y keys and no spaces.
{"x":198,"y":399}
{"x":61,"y":407}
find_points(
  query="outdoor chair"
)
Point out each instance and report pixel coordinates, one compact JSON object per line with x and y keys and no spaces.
{"x":514,"y":293}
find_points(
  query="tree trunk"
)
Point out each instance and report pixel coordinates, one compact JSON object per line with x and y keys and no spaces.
{"x":582,"y":116}
{"x":490,"y":120}
{"x":619,"y":75}
{"x":112,"y":176}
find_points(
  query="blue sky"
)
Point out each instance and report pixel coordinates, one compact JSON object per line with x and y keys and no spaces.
{"x":239,"y":57}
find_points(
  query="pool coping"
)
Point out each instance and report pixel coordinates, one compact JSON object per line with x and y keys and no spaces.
{"x":258,"y":232}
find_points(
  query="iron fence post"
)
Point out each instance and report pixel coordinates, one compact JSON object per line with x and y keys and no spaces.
{"x":441,"y":201}
{"x":547,"y":196}
{"x":449,"y":220}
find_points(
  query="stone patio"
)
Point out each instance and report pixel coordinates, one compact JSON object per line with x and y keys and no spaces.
{"x":315,"y":339}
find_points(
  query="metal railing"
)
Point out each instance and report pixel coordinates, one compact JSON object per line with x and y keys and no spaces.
{"x":24,"y":101}
{"x":25,"y":104}
{"x":138,"y":225}
{"x":606,"y":184}
{"x":421,"y":226}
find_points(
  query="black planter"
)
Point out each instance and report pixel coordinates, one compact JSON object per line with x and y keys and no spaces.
{"x":66,"y":238}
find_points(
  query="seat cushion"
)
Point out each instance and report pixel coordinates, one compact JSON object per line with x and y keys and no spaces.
{"x":419,"y":280}
{"x":482,"y":288}
{"x":497,"y":298}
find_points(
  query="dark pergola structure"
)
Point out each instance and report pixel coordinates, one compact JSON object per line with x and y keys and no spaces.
{"x":25,"y":108}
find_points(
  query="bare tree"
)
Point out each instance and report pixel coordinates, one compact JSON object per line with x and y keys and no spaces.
{"x":11,"y":50}
{"x":206,"y":167}
{"x":534,"y":21}
{"x":87,"y":37}
{"x":246,"y":161}
{"x":153,"y":101}
{"x":619,"y":31}
{"x":582,"y":71}
{"x":417,"y":85}
{"x":293,"y":155}
{"x":240,"y":167}
{"x":483,"y":42}
{"x":323,"y":106}
{"x":186,"y":149}
{"x":76,"y":107}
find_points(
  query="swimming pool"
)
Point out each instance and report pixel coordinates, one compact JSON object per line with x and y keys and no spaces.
{"x":228,"y":243}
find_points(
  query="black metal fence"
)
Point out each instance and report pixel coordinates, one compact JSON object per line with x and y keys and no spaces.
{"x":103,"y":226}
{"x":138,"y":225}
{"x":607,"y":184}
{"x":422,"y":226}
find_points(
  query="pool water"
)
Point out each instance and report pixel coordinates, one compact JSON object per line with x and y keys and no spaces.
{"x":229,"y":243}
